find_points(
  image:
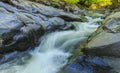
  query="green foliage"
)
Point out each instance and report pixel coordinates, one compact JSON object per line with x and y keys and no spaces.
{"x":72,"y":1}
{"x":89,"y":2}
{"x":55,"y":2}
{"x":118,"y":0}
{"x":92,"y":3}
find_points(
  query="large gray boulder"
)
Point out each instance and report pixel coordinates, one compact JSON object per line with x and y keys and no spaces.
{"x":22,"y":23}
{"x":107,"y":40}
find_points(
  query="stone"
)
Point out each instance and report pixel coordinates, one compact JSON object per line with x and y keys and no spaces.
{"x":23,"y":22}
{"x":107,"y":40}
{"x":89,"y":64}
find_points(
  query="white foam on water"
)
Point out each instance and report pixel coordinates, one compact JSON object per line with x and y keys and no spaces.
{"x":50,"y":55}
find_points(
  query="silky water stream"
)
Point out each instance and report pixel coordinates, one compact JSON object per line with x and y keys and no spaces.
{"x":52,"y":53}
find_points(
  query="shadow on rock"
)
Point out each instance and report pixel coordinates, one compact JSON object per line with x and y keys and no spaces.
{"x":89,"y":64}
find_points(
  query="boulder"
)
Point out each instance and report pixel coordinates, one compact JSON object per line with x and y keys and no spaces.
{"x":23,"y":22}
{"x":106,"y":42}
{"x":102,"y":49}
{"x":89,"y":64}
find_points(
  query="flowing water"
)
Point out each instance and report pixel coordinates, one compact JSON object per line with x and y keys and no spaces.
{"x":52,"y":53}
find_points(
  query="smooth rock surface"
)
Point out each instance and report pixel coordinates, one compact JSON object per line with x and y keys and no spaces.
{"x":107,"y":41}
{"x":23,"y":22}
{"x":89,"y":64}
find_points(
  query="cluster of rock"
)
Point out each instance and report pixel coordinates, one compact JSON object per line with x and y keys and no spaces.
{"x":104,"y":42}
{"x":23,"y":22}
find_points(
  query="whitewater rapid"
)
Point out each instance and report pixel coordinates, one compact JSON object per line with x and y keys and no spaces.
{"x":51,"y":55}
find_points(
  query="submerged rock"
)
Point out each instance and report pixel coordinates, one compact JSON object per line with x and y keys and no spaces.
{"x":113,"y":62}
{"x":89,"y":64}
{"x":24,"y":22}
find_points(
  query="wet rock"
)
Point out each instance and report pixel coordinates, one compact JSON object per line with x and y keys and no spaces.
{"x":107,"y":50}
{"x":24,"y":22}
{"x":113,"y":62}
{"x":14,"y":56}
{"x":36,"y":8}
{"x":89,"y":64}
{"x":107,"y":40}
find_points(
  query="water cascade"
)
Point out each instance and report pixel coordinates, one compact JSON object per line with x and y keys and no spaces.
{"x":55,"y":48}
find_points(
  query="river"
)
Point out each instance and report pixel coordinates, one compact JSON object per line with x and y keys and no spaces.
{"x":51,"y":55}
